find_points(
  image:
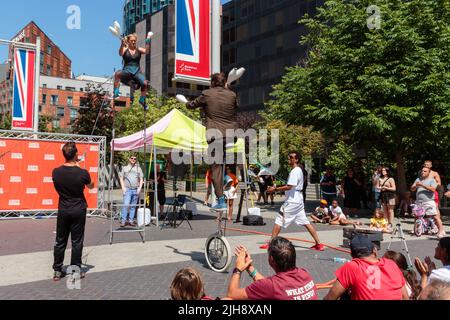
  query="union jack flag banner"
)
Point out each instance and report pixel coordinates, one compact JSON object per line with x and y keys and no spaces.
{"x":193,"y":41}
{"x":24,"y":89}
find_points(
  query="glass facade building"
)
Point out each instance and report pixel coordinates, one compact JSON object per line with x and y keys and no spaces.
{"x":263,"y":37}
{"x":135,"y":11}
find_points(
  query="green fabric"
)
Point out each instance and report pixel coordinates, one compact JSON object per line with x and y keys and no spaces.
{"x":186,"y":134}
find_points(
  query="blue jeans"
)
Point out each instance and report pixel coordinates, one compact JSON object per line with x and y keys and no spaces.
{"x":377,"y":199}
{"x":130,"y":199}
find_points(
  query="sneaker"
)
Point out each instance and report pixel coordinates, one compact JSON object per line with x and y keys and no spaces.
{"x":272,"y":203}
{"x":220,"y":205}
{"x":123,"y":225}
{"x":58,"y":275}
{"x":132,"y":224}
{"x":142,"y":103}
{"x":116,"y":93}
{"x":264,"y":246}
{"x":318,"y":247}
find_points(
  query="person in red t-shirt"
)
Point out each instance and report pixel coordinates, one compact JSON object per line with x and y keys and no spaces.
{"x":289,"y":283}
{"x":208,"y":182}
{"x":367,"y":277}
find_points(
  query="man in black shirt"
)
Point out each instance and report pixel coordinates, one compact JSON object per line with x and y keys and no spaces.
{"x":328,"y":185}
{"x":69,"y":181}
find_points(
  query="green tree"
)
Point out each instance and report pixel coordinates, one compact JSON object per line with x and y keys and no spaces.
{"x":5,"y":123}
{"x":131,"y":120}
{"x":96,"y":116}
{"x":291,"y":138}
{"x":388,"y":87}
{"x":341,"y":158}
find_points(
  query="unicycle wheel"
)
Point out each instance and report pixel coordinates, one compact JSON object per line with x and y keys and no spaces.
{"x":218,"y":253}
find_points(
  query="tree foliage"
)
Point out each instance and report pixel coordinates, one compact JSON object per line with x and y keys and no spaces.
{"x":292,"y":138}
{"x":388,"y":87}
{"x":96,"y":116}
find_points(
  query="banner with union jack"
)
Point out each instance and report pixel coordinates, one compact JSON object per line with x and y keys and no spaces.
{"x":193,"y":40}
{"x":24,"y":89}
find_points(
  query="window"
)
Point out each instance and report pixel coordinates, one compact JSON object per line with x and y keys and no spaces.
{"x":44,"y":86}
{"x":44,"y":99}
{"x":69,"y":101}
{"x":60,"y":112}
{"x":59,"y":87}
{"x":49,"y":49}
{"x":73,"y":114}
{"x":257,"y":52}
{"x":49,"y":70}
{"x":55,"y":100}
{"x":70,"y":88}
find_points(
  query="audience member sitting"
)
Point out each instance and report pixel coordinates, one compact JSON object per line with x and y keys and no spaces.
{"x":289,"y":282}
{"x":320,"y":214}
{"x":412,"y":285}
{"x":427,"y":269}
{"x":378,"y":222}
{"x":338,"y":217}
{"x":188,"y":285}
{"x":367,"y":277}
{"x":436,"y":290}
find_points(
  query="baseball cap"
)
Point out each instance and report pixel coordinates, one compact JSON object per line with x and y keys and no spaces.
{"x":361,"y":244}
{"x":324,"y":202}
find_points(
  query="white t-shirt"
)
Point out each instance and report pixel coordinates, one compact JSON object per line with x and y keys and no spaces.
{"x":337,"y":212}
{"x":441,"y":274}
{"x":296,"y":180}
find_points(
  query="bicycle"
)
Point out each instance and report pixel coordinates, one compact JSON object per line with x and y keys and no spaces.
{"x":217,"y":249}
{"x":423,"y":224}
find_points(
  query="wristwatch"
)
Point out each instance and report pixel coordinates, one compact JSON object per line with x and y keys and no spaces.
{"x":236,"y":270}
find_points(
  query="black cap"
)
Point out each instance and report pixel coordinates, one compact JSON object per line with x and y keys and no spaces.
{"x":361,"y":244}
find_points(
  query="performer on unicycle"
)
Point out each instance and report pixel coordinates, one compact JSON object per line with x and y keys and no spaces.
{"x":220,"y":106}
{"x":131,"y":71}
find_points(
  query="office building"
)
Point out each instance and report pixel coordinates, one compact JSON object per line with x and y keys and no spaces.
{"x":135,"y":11}
{"x":263,"y":37}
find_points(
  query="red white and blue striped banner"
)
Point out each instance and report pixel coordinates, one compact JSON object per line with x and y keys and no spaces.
{"x":193,"y":41}
{"x":24,"y":89}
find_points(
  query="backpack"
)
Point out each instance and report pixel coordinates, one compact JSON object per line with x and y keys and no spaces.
{"x":253,"y":220}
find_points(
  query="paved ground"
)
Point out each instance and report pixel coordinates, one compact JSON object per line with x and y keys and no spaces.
{"x":130,"y":269}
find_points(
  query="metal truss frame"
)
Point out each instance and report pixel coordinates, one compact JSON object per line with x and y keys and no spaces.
{"x":101,"y":210}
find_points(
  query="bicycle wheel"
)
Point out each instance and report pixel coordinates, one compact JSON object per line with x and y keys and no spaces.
{"x":418,"y":228}
{"x":218,"y":253}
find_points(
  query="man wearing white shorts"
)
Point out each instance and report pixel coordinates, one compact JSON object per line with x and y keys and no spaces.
{"x":425,"y":187}
{"x":293,"y":209}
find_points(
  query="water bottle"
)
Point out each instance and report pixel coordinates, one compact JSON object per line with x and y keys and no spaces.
{"x":335,"y":259}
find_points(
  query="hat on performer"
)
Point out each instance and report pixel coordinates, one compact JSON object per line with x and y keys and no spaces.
{"x":324,"y":202}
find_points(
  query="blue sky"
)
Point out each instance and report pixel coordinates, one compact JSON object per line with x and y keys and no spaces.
{"x":92,"y":49}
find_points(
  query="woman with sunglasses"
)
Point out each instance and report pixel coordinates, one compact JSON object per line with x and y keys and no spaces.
{"x":131,"y":71}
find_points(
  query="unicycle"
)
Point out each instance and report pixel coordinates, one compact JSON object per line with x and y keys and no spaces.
{"x":217,"y":249}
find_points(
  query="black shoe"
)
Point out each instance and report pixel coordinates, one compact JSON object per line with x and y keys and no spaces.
{"x":58,"y":275}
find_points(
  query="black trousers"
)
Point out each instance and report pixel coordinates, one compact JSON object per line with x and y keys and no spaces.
{"x":217,"y":174}
{"x":72,"y":224}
